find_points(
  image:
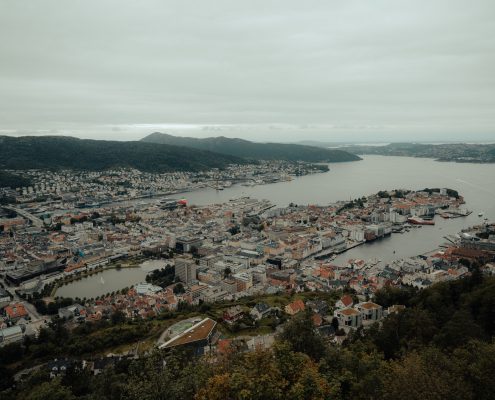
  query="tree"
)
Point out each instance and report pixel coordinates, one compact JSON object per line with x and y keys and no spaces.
{"x":118,"y":317}
{"x":52,"y":390}
{"x":253,"y":376}
{"x":302,"y":336}
{"x":430,"y":375}
{"x":179,"y":288}
{"x":227,"y":272}
{"x":335,"y":323}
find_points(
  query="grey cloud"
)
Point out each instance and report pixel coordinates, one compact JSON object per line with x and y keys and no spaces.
{"x":263,"y":69}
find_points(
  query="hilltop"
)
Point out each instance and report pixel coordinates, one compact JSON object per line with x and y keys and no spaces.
{"x":59,"y":152}
{"x":251,"y":150}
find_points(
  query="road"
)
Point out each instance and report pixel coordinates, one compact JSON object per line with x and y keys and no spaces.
{"x":33,"y":313}
{"x":35,"y":220}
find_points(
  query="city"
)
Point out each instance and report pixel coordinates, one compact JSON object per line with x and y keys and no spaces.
{"x":260,"y":200}
{"x":214,"y":256}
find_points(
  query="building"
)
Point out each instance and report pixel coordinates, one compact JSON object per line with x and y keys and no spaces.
{"x":259,"y":311}
{"x":73,"y":311}
{"x":59,"y":367}
{"x":229,"y":285}
{"x":344,"y":302}
{"x":11,"y":335}
{"x":318,"y":306}
{"x":16,"y":311}
{"x":370,"y":311}
{"x":187,"y":245}
{"x":198,"y":337}
{"x":294,"y":307}
{"x":35,"y":269}
{"x":244,"y":281}
{"x":4,"y":298}
{"x":145,"y":288}
{"x":185,"y":269}
{"x":233,"y":314}
{"x":349,"y":317}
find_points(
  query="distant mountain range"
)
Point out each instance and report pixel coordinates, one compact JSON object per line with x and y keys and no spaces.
{"x":56,"y":152}
{"x":155,"y":153}
{"x":254,"y":151}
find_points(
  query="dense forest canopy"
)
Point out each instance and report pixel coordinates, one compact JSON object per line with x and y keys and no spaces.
{"x":56,"y":152}
{"x":257,"y":151}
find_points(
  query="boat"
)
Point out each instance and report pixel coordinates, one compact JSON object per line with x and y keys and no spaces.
{"x":102,"y":280}
{"x":419,"y":221}
{"x":480,"y":214}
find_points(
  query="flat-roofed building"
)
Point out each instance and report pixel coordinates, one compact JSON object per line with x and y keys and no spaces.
{"x":11,"y":335}
{"x":185,"y":269}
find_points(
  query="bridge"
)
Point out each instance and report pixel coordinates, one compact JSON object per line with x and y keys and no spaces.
{"x":35,"y":220}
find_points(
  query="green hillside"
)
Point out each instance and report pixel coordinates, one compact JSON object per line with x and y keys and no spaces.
{"x":52,"y":152}
{"x":252,"y":150}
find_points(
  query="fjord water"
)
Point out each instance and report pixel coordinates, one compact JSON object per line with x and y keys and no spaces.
{"x":344,"y":181}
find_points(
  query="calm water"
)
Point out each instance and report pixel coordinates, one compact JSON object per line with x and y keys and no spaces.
{"x":113,"y":280}
{"x":476,"y":182}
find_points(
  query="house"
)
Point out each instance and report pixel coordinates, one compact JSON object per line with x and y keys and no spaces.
{"x":11,"y":335}
{"x":349,"y":317}
{"x":317,"y":320}
{"x":344,"y":302}
{"x":72,"y":311}
{"x":370,"y":311}
{"x":259,"y":311}
{"x":197,"y":337}
{"x":294,"y":307}
{"x":59,"y":367}
{"x":318,"y":306}
{"x":16,"y":311}
{"x":233,"y":314}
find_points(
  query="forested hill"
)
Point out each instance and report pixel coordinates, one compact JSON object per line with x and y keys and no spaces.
{"x":32,"y":152}
{"x":458,"y":152}
{"x":252,"y":150}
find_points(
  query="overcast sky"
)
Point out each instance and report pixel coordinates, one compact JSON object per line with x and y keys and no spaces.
{"x":262,"y":70}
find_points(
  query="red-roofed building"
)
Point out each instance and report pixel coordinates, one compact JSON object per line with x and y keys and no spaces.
{"x":317,"y":319}
{"x":16,"y":311}
{"x":344,"y":302}
{"x":294,"y":307}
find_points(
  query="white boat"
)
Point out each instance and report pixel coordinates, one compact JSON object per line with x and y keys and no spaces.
{"x":102,"y":280}
{"x":480,"y":214}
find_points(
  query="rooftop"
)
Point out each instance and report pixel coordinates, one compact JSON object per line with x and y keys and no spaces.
{"x":349,"y":311}
{"x":197,"y":332}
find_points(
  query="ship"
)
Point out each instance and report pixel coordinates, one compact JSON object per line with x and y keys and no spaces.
{"x":419,"y":221}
